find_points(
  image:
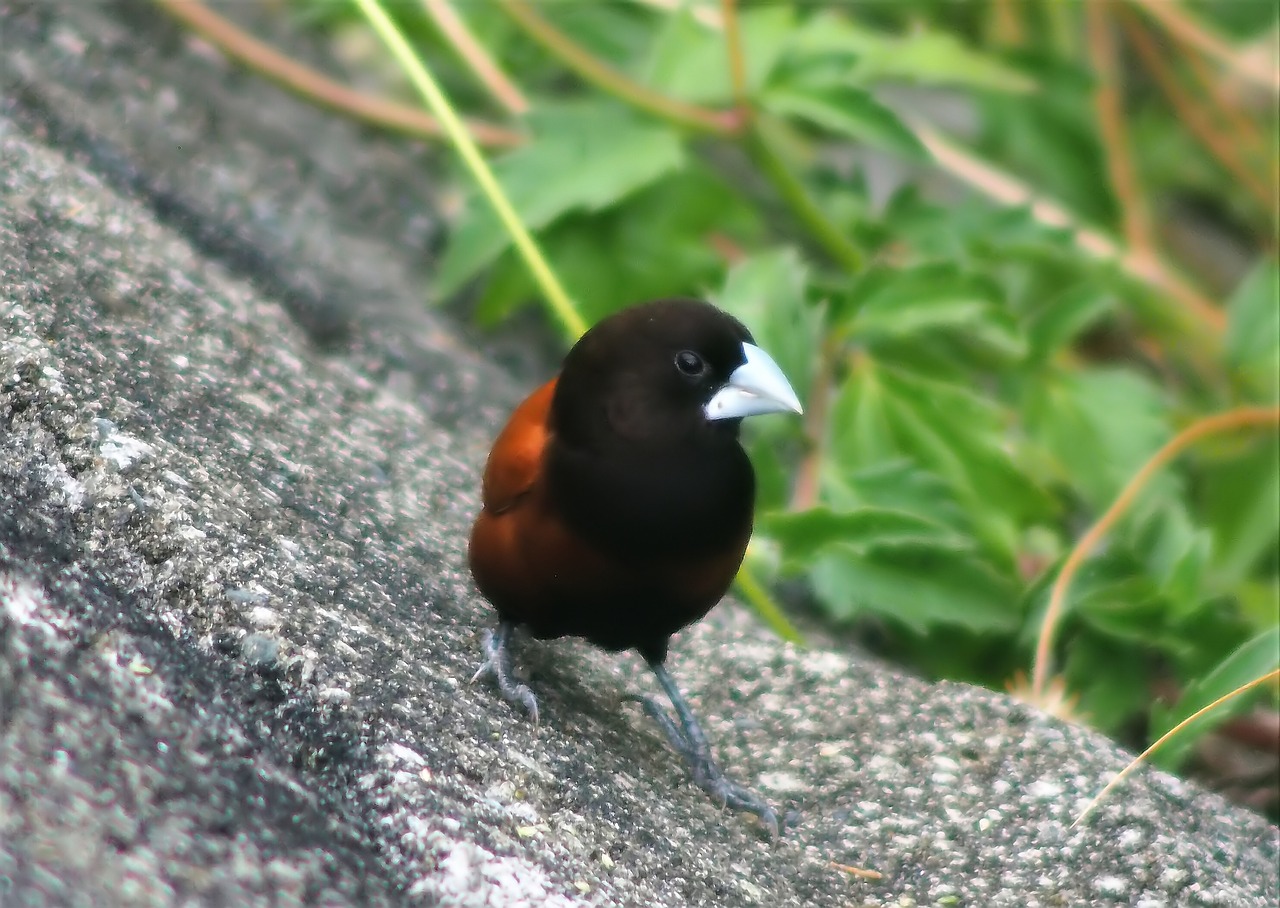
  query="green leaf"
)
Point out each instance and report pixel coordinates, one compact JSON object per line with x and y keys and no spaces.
{"x":1052,"y":140}
{"x":963,"y":435}
{"x":1252,"y":660}
{"x":883,"y":413}
{"x":1184,"y":580}
{"x":919,"y":584}
{"x":1164,"y":536}
{"x":922,"y":55}
{"x":664,"y":232}
{"x":895,"y":485}
{"x":803,"y":534}
{"x":691,"y":62}
{"x":901,"y":302}
{"x":654,"y":244}
{"x":861,"y":435}
{"x":586,"y":157}
{"x":1066,"y":316}
{"x":1100,"y":426}
{"x":1130,"y":609}
{"x":1112,"y":682}
{"x":582,"y":253}
{"x":1253,"y":328}
{"x":1258,"y":600}
{"x":975,"y":231}
{"x":509,"y":286}
{"x":1242,"y":509}
{"x":775,"y":470}
{"x":847,"y":111}
{"x":767,"y":292}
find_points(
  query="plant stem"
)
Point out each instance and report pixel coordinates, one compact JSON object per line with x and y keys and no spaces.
{"x":1109,"y":107}
{"x":737,"y":59}
{"x":703,"y":14}
{"x":763,"y":144}
{"x":605,"y":77}
{"x":1004,"y":23}
{"x":316,"y":87}
{"x":1137,"y":761}
{"x":809,"y":472}
{"x":1061,"y":28}
{"x":1247,"y":135}
{"x":1177,"y":21}
{"x":562,"y":307}
{"x":473,"y":53}
{"x":755,"y":595}
{"x":1196,"y":116}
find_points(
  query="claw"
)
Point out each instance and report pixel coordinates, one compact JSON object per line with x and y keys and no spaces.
{"x":486,"y":667}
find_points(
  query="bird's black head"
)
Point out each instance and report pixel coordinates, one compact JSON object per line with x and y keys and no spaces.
{"x":663,"y":373}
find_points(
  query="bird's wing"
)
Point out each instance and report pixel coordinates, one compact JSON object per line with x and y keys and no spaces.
{"x":516,"y":457}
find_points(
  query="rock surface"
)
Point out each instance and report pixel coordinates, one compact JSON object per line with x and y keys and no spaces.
{"x":237,"y":467}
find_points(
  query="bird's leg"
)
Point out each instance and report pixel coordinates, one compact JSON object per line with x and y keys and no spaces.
{"x":497,"y":665}
{"x":689,"y":739}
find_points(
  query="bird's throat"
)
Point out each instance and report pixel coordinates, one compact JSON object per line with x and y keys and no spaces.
{"x":646,"y":503}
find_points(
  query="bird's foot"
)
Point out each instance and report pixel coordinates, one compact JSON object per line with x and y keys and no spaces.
{"x":498,"y":666}
{"x":706,"y":773}
{"x":711,"y":779}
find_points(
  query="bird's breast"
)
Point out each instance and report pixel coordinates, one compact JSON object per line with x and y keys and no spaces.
{"x":642,"y":504}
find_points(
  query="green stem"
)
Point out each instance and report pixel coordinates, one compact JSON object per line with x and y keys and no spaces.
{"x":755,"y":595}
{"x":605,"y":77}
{"x":737,"y":59}
{"x":1062,"y":28}
{"x":829,"y":236}
{"x":561,"y":305}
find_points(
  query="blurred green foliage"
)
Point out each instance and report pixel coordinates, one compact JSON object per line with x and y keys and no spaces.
{"x":981,"y":380}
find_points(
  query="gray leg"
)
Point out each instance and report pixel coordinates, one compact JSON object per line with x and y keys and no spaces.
{"x":497,"y":665}
{"x":691,"y":742}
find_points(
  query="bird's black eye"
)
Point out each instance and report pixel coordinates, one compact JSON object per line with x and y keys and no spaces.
{"x":690,"y":363}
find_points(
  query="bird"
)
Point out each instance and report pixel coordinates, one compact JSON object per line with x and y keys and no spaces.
{"x":617,"y":503}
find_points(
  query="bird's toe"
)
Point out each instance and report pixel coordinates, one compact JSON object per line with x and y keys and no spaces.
{"x":744,"y":800}
{"x":521,"y":695}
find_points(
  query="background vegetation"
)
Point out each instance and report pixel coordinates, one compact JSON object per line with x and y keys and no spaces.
{"x":1006,"y":251}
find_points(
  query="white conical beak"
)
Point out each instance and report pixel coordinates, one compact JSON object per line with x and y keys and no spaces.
{"x":757,"y":386}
